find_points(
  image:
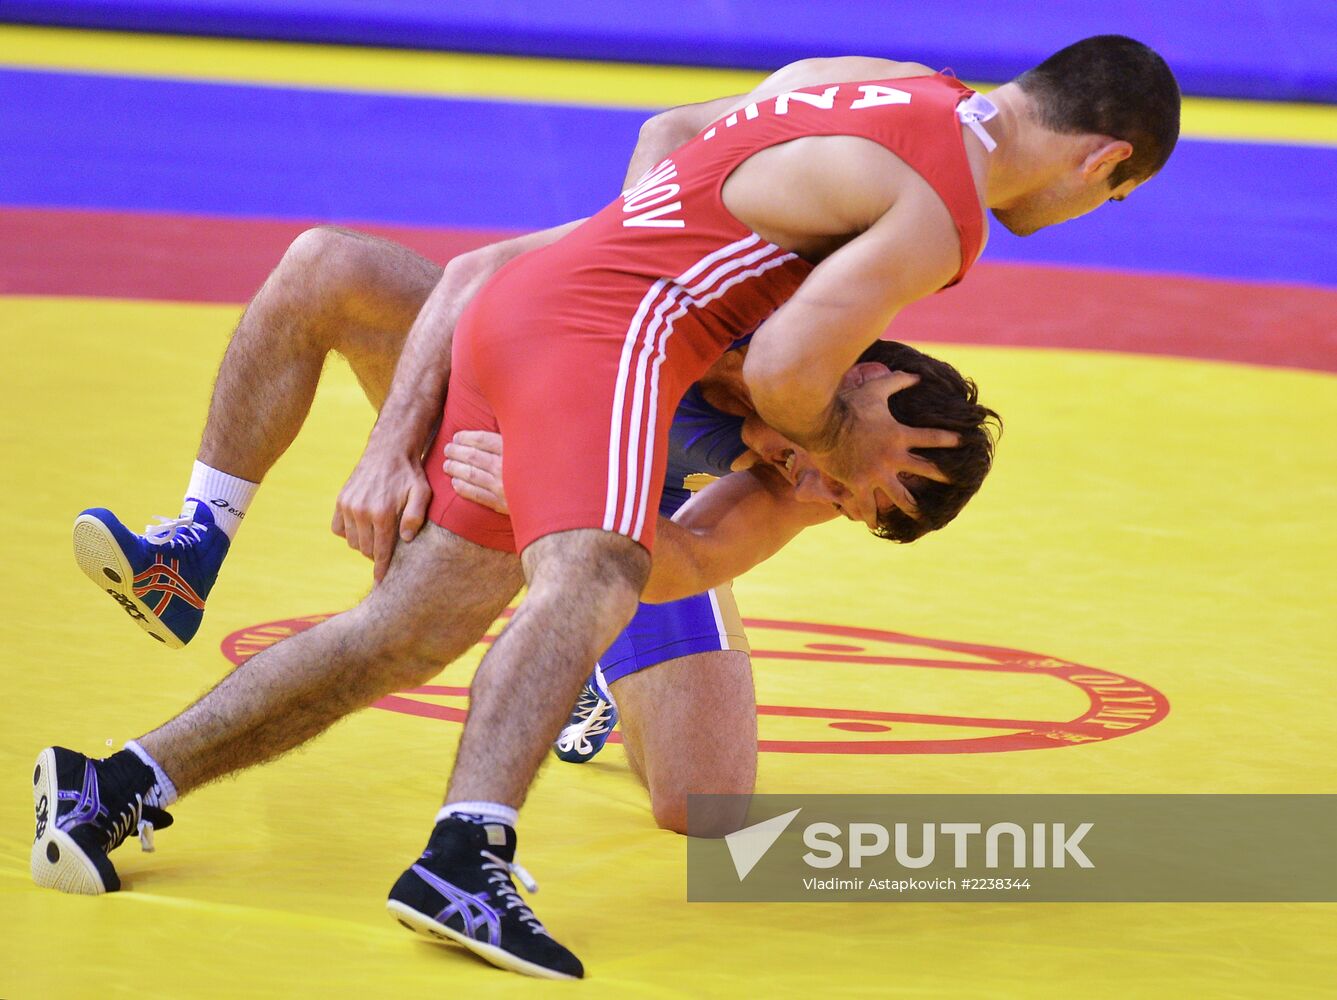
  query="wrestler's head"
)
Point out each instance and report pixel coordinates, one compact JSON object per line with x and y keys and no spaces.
{"x":1110,"y":108}
{"x":942,"y":398}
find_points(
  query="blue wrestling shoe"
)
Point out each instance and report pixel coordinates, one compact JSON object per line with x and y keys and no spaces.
{"x":460,"y":890}
{"x":162,"y":577}
{"x":84,"y":810}
{"x":591,"y":723}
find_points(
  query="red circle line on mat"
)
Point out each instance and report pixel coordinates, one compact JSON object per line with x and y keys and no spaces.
{"x":1117,"y":705}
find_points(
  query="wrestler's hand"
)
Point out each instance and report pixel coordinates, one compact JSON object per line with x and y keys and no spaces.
{"x":874,"y":449}
{"x":385,"y":499}
{"x":473,"y":463}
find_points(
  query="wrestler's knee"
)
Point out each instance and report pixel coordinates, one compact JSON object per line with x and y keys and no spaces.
{"x":715,"y":816}
{"x":326,"y":248}
{"x":587,"y":574}
{"x":701,"y":796}
{"x":327,"y":269}
{"x":669,"y":807}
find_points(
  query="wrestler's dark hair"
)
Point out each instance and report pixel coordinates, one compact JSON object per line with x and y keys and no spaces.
{"x":1115,"y":86}
{"x":946,"y":399}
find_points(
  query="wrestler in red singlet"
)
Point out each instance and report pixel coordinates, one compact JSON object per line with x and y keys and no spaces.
{"x":578,"y":353}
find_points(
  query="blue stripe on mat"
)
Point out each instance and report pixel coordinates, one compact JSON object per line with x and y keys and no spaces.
{"x":1231,"y":210}
{"x":108,"y":142}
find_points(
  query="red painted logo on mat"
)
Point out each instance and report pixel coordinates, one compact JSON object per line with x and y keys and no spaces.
{"x":841,"y":659}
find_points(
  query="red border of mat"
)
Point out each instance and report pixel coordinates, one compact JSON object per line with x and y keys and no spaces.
{"x":132,"y":255}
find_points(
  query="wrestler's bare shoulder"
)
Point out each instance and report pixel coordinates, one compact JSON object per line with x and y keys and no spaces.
{"x":836,"y":186}
{"x":837,"y":69}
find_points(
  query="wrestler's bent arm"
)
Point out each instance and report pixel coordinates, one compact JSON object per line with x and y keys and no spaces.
{"x":798,"y":356}
{"x":666,"y":131}
{"x":732,"y":525}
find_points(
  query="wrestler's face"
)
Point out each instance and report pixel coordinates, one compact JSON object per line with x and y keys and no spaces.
{"x":1074,"y":193}
{"x":768,"y":446}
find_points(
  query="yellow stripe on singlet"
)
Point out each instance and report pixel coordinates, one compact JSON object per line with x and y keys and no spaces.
{"x":511,"y":78}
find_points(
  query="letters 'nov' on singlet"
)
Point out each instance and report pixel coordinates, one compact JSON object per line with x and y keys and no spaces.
{"x":579,"y":352}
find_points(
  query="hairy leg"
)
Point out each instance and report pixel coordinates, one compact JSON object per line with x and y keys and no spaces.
{"x":583,"y":589}
{"x":439,"y":596}
{"x":690,"y":726}
{"x":334,"y":290}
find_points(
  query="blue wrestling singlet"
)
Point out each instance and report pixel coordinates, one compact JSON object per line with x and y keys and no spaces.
{"x":702,"y":439}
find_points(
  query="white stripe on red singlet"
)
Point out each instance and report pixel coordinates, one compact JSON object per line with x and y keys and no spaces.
{"x":728,"y":258}
{"x":615,"y":428}
{"x":658,"y":300}
{"x":624,"y":370}
{"x":752,"y":272}
{"x":665,"y":302}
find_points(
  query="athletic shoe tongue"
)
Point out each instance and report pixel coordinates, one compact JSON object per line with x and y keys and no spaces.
{"x":456,"y":833}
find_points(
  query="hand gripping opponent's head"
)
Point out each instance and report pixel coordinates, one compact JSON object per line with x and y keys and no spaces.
{"x":942,"y":398}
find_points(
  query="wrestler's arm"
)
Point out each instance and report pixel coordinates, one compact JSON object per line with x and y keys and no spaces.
{"x":732,"y":525}
{"x":419,"y":384}
{"x":414,"y":399}
{"x":799,"y":355}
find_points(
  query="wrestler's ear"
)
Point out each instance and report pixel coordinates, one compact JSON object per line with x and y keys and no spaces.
{"x":1102,"y":160}
{"x":862,"y":372}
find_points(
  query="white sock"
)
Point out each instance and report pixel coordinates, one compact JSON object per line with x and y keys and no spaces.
{"x":480,"y":812}
{"x":164,"y":794}
{"x":227,"y":496}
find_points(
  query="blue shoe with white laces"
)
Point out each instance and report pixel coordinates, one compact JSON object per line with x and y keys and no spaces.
{"x":162,"y":577}
{"x":591,"y":723}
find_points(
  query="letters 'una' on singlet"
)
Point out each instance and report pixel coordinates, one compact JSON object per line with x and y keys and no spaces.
{"x":670,"y":252}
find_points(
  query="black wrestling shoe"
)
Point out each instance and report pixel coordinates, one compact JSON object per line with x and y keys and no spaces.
{"x":461,"y":890}
{"x":84,"y":809}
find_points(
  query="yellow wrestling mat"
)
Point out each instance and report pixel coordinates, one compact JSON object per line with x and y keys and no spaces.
{"x":1169,"y":526}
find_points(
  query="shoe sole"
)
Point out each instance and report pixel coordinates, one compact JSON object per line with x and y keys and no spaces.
{"x":439,"y":933}
{"x":57,"y":861}
{"x":101,"y":559}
